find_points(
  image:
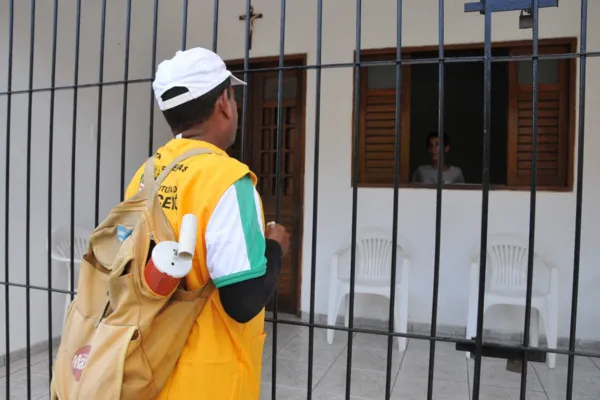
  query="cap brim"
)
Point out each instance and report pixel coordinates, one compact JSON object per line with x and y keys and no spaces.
{"x":235,"y":81}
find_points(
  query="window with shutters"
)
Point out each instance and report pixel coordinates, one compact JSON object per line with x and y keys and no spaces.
{"x":463,"y":88}
{"x":552,"y":120}
{"x":378,"y":125}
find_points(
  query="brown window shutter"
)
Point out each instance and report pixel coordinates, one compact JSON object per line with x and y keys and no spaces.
{"x":377,"y":134}
{"x":552,"y":127}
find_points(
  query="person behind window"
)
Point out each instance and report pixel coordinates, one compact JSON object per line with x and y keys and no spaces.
{"x":429,"y":173}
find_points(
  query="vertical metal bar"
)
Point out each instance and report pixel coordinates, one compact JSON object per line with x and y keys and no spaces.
{"x":485,"y":194}
{"x":125,"y":93}
{"x":279,"y":161}
{"x":99,"y":121}
{"x":28,"y":196}
{"x":74,"y":148}
{"x":532,"y":200}
{"x":579,"y":206}
{"x":357,"y":94}
{"x":184,"y":25}
{"x":315,"y":219}
{"x":245,"y":96}
{"x":215,"y":26}
{"x":50,"y":172}
{"x":11,"y":14}
{"x":438,"y":202}
{"x":152,"y":73}
{"x":397,"y":154}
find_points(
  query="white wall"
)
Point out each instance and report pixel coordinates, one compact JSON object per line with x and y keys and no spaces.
{"x":461,"y":209}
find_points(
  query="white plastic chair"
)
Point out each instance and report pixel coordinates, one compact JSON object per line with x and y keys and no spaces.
{"x":373,"y":275}
{"x":61,"y":252}
{"x":506,"y":284}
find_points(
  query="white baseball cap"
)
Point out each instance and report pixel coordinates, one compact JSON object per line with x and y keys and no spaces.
{"x":199,"y":70}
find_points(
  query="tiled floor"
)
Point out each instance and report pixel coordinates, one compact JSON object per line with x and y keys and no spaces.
{"x":453,"y":372}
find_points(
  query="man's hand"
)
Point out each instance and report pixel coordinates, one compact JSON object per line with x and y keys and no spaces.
{"x":279,"y":234}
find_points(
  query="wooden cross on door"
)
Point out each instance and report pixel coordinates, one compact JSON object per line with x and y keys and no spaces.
{"x":253,"y":17}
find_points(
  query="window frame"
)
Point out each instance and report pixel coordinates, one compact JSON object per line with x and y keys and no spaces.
{"x":380,"y":54}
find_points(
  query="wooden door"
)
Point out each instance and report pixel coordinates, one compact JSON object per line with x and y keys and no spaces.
{"x":261,"y":156}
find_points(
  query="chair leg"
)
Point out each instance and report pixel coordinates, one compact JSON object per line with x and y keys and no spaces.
{"x":534,"y":330}
{"x":400,"y":322}
{"x":552,"y":333}
{"x":335,"y":301}
{"x":471,"y":325}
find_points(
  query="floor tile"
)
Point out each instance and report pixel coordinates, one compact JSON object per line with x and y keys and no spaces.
{"x":365,"y":384}
{"x":501,"y":393}
{"x":494,"y":373}
{"x":285,"y":333}
{"x":323,"y":353}
{"x":291,"y":374}
{"x":424,"y":345}
{"x":40,"y":386}
{"x":417,"y":390}
{"x":371,"y":341}
{"x":450,"y":366}
{"x":586,"y":378}
{"x":21,"y":364}
{"x":282,"y":393}
{"x":370,"y":360}
{"x":335,"y":396}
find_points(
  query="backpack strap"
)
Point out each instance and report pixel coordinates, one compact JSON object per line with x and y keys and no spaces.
{"x":152,"y":185}
{"x":149,"y":168}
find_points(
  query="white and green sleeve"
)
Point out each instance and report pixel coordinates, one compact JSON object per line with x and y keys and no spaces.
{"x":235,"y":240}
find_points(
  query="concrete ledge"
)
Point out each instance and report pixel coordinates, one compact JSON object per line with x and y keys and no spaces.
{"x":21,"y":354}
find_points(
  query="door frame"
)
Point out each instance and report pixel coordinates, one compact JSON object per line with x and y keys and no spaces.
{"x":259,"y":64}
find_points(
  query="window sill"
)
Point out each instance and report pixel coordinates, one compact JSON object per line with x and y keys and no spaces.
{"x":468,"y":186}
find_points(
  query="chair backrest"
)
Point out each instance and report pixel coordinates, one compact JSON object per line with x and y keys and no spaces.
{"x":507,"y":257}
{"x":61,"y":243}
{"x":374,"y":257}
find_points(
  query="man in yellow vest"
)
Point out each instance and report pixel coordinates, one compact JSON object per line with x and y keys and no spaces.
{"x":223,"y":356}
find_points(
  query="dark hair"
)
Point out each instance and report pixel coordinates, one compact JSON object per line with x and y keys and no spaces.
{"x":435,"y":134}
{"x":193,"y":112}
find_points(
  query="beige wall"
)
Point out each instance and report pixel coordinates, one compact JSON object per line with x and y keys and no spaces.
{"x":461,"y":209}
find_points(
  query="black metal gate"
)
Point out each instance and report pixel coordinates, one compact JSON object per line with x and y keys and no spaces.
{"x":520,"y":354}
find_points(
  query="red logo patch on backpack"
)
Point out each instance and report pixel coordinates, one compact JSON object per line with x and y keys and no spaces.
{"x":79,"y":360}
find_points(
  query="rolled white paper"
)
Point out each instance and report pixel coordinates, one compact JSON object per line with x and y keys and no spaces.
{"x":165,"y":261}
{"x":187,"y":237}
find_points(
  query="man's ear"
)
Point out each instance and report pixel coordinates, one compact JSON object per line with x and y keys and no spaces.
{"x":225,"y":104}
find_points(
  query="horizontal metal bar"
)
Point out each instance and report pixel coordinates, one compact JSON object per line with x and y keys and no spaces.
{"x":22,"y":285}
{"x":508,"y":5}
{"x":414,"y":61}
{"x":361,"y":330}
{"x":495,"y":350}
{"x":426,"y":337}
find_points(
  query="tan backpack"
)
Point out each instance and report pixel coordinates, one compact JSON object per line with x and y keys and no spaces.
{"x":120,"y":340}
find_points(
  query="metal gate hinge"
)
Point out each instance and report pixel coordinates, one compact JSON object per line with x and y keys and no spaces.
{"x":514,"y":354}
{"x":507,"y":5}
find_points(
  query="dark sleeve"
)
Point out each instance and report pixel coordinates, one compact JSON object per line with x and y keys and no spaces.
{"x":243,"y":301}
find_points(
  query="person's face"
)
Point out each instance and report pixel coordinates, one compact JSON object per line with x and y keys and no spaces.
{"x":433,"y":148}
